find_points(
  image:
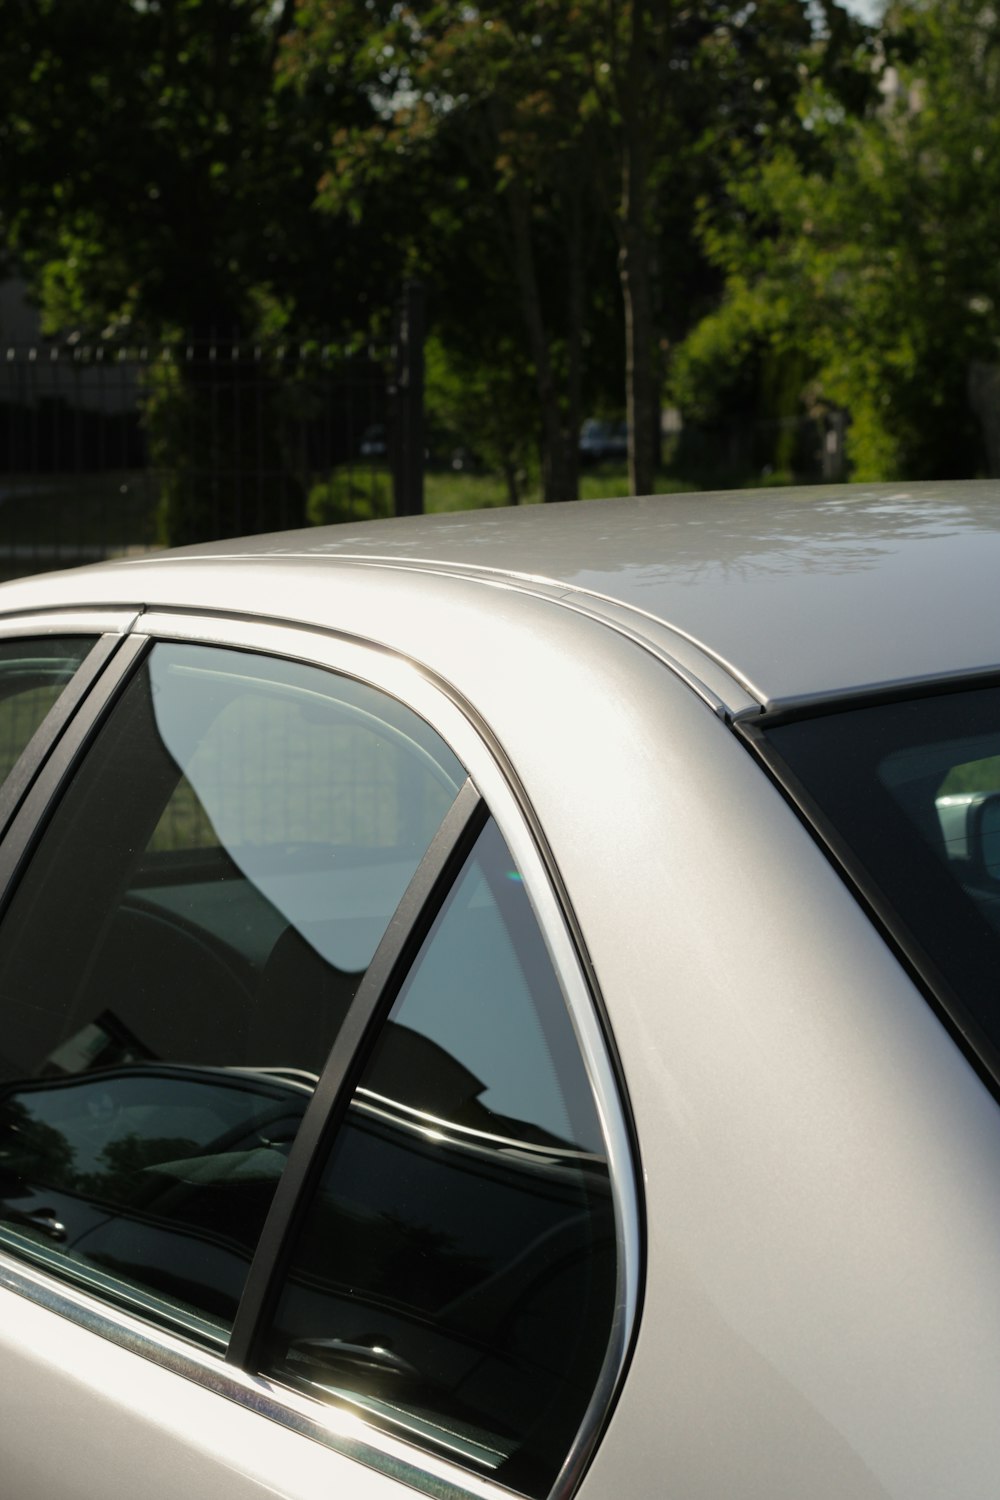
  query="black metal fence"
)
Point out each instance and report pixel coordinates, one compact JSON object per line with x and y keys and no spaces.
{"x":116,"y":447}
{"x":107,"y":448}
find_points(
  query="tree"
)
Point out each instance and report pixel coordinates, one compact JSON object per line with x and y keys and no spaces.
{"x":155,"y":174}
{"x":482,"y":402}
{"x":677,"y":87}
{"x":871,"y":254}
{"x":557,"y":121}
{"x":157,"y":181}
{"x":482,"y":108}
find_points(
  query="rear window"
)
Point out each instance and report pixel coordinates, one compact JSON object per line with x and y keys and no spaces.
{"x":909,"y":793}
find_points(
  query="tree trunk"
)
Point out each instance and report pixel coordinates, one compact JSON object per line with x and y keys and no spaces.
{"x":559,"y":469}
{"x":641,"y":390}
{"x":634,"y":267}
{"x":510,"y":480}
{"x":576,"y":301}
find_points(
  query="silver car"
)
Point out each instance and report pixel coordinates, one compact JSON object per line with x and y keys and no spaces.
{"x":508,"y":1003}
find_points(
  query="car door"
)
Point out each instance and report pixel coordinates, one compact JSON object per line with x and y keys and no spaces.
{"x":313,"y":1170}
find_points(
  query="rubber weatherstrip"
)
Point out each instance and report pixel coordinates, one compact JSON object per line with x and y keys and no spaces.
{"x":377,"y":991}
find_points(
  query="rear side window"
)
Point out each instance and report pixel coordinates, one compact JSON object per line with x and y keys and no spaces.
{"x":32,"y":675}
{"x":911,"y":789}
{"x":454,"y":1281}
{"x":179,"y":956}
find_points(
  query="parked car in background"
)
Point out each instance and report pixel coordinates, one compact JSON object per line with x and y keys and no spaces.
{"x":374,"y":443}
{"x":602,"y":440}
{"x":505,"y":1003}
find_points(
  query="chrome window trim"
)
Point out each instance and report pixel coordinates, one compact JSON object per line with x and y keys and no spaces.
{"x":76,"y":621}
{"x":471,"y":740}
{"x":110,"y":1289}
{"x":335,"y":1428}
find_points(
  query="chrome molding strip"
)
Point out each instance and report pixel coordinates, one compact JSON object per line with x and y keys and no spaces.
{"x":123,"y":1296}
{"x":74,"y":619}
{"x":568,"y":954}
{"x":345,"y":1432}
{"x":613,"y":613}
{"x":605,"y":608}
{"x":645,"y":643}
{"x":379,"y":1106}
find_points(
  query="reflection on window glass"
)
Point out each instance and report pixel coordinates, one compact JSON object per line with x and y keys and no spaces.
{"x":180,"y":955}
{"x":455,"y":1277}
{"x":32,"y":675}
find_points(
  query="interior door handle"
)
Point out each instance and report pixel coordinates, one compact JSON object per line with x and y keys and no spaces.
{"x":45,"y":1219}
{"x":354,"y":1354}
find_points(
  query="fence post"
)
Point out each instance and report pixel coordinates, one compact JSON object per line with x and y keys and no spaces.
{"x":408,"y":427}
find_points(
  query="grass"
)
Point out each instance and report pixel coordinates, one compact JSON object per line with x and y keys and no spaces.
{"x":445,"y":492}
{"x":362,"y":493}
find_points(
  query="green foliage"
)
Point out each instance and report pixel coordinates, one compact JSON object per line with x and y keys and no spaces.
{"x":483,"y":404}
{"x":553,"y":145}
{"x":350,"y":494}
{"x":156,"y":176}
{"x":481,"y":112}
{"x":158,"y":180}
{"x":864,"y":256}
{"x":808,"y":241}
{"x":210,"y":486}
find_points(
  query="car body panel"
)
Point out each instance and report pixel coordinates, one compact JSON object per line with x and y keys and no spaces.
{"x":117,"y":1424}
{"x":820,"y":1199}
{"x":822,"y":1207}
{"x":727,"y":571}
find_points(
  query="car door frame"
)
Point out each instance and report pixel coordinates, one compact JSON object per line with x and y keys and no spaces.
{"x":492,"y":790}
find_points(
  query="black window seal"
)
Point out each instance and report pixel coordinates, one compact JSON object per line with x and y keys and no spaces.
{"x":395,"y":955}
{"x":752,"y":730}
{"x":84,"y":716}
{"x":32,"y":757}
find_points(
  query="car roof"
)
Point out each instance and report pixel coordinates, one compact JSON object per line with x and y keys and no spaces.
{"x":784,"y":594}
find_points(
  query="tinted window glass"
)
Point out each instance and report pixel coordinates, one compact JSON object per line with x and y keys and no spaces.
{"x":177,"y":961}
{"x":455,"y":1277}
{"x":914,"y":790}
{"x":32,"y":675}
